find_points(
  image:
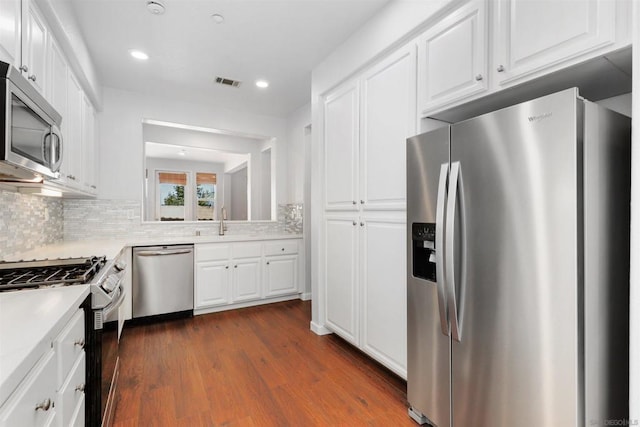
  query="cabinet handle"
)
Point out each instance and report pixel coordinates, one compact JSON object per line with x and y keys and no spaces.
{"x":354,"y":202}
{"x":94,"y":187}
{"x":355,"y":223}
{"x":362,"y":224}
{"x":226,"y":267}
{"x":362,"y":202}
{"x":80,"y":387}
{"x":79,"y":343}
{"x":45,"y":405}
{"x":479,"y":77}
{"x":500,"y":68}
{"x":24,"y":68}
{"x":283,"y":249}
{"x":267,"y":262}
{"x":235,"y":266}
{"x":32,"y":77}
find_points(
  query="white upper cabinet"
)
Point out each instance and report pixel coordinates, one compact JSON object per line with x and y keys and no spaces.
{"x":88,"y":146}
{"x":341,"y":147}
{"x":388,"y":119}
{"x":34,"y":48}
{"x":10,"y":31}
{"x":58,"y":95}
{"x":453,"y":56}
{"x":532,"y":35}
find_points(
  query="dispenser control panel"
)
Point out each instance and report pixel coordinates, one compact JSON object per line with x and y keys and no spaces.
{"x":424,"y":250}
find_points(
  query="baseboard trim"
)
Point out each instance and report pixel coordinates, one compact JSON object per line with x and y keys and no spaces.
{"x":319,"y":329}
{"x":305,"y":296}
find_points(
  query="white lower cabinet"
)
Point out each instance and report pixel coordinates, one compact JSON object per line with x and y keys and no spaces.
{"x":366,"y":285}
{"x":280,"y":275}
{"x":52,"y":393}
{"x":246,"y":279}
{"x":384,"y":292}
{"x":33,"y":403}
{"x":245,"y":273}
{"x":212,"y":284}
{"x":341,"y":254}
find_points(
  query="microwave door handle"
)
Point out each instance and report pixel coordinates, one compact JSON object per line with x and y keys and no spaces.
{"x":46,"y":150}
{"x":57,"y":150}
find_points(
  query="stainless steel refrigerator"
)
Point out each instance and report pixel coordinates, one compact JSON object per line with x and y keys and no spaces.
{"x":518,"y":267}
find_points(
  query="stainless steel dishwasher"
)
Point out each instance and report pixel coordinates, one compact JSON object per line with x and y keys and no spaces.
{"x":162,"y":280}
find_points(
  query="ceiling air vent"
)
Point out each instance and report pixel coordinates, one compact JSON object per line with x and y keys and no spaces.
{"x":228,"y":82}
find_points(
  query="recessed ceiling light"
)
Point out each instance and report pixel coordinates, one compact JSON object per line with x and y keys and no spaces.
{"x":155,"y":7}
{"x":262,"y":84}
{"x":138,"y":54}
{"x":217,"y":18}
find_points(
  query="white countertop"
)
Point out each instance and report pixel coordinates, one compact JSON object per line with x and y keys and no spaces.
{"x":29,"y":322}
{"x":111,"y":248}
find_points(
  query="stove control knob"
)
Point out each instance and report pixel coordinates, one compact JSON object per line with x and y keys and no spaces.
{"x":110,"y":283}
{"x":120,"y":265}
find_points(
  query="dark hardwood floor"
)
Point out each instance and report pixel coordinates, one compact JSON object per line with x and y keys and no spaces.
{"x":259,"y":366}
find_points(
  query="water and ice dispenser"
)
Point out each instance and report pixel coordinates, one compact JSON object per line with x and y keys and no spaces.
{"x":424,"y":250}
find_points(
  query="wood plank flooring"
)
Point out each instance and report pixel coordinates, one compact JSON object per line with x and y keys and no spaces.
{"x":259,"y":366}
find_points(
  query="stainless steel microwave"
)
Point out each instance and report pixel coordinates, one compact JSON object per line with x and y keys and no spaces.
{"x":30,"y":138}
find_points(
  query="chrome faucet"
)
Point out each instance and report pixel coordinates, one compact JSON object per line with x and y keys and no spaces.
{"x":223,"y":218}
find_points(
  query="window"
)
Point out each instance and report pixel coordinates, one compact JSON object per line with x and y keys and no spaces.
{"x":171,"y":188}
{"x":179,"y":198}
{"x":206,"y":196}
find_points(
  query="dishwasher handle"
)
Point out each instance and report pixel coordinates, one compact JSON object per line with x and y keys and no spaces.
{"x":162,"y":253}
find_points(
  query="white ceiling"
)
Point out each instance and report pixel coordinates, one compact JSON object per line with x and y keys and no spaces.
{"x":276,"y":40}
{"x":172,"y":152}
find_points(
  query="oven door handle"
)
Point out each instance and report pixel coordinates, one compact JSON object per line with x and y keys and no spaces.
{"x":107,"y":310}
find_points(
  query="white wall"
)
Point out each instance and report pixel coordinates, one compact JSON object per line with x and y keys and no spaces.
{"x":121,"y":137}
{"x":296,"y":123}
{"x":238,"y":195}
{"x":155,"y":164}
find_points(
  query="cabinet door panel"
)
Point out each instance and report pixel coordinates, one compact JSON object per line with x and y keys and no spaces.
{"x":281,"y":274}
{"x":10,"y":30}
{"x":534,"y":35}
{"x":341,"y":277}
{"x":39,"y":385}
{"x":212,"y":284}
{"x":341,"y":148}
{"x":384,"y":294}
{"x":73,"y":138}
{"x":246,"y":279}
{"x":35,"y":54}
{"x":452,"y":58}
{"x":388,"y":118}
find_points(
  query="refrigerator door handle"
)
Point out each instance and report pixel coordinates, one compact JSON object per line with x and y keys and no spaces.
{"x":455,"y":315}
{"x":440,"y":269}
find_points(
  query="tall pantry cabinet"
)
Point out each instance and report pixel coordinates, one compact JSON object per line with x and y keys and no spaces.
{"x":366,"y":123}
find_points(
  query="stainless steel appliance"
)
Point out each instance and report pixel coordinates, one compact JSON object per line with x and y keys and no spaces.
{"x":30,"y":138}
{"x":162,"y":280}
{"x":518,"y":267}
{"x":101,"y":317}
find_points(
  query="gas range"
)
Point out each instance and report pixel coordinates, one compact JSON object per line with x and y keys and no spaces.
{"x":48,"y":273}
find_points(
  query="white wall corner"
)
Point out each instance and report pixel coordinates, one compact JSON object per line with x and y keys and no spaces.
{"x":319,"y":329}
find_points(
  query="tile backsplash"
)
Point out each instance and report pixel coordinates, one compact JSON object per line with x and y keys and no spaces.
{"x":28,"y":221}
{"x":115,"y":219}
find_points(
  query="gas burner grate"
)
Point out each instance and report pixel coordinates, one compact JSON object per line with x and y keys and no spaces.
{"x":41,"y":273}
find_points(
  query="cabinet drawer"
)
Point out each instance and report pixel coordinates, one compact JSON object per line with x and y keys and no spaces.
{"x":283,"y":247}
{"x":247,"y":250}
{"x":72,"y":392}
{"x":212,"y":252}
{"x":38,"y":388}
{"x":69,"y":345}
